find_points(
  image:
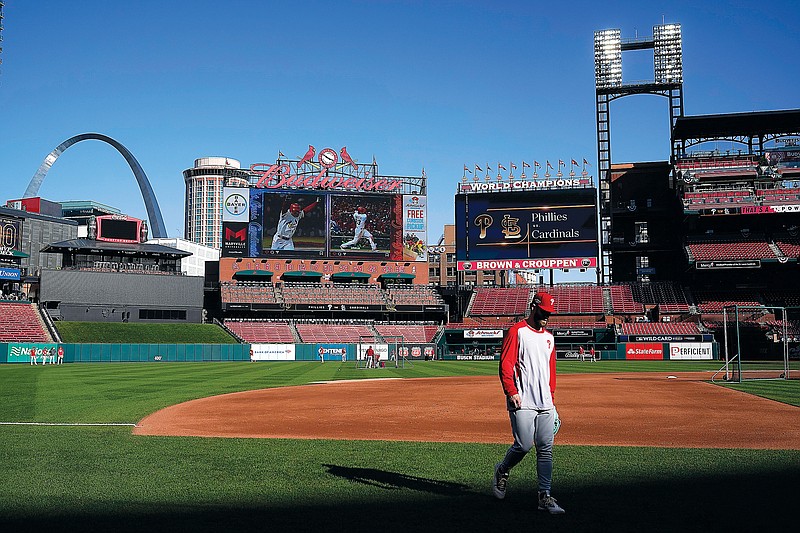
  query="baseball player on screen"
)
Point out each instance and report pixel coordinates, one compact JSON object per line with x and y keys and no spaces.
{"x":360,"y":216}
{"x":287,"y":225}
{"x":528,"y":377}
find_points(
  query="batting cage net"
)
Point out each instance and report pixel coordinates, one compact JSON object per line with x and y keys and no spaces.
{"x":760,"y":342}
{"x":385,"y":351}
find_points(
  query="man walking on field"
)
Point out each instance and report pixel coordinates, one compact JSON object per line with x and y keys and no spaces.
{"x":528,"y":377}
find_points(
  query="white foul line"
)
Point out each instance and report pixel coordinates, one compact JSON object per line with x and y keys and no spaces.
{"x":64,"y":424}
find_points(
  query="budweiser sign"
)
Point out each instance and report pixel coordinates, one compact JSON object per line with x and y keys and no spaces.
{"x":324,"y":173}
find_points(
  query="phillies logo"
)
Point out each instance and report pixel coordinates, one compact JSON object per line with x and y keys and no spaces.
{"x":240,"y":235}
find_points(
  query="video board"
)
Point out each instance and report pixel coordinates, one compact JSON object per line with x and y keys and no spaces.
{"x":526,"y":229}
{"x":320,"y":224}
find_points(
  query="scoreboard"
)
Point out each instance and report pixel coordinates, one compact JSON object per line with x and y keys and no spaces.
{"x":526,"y":229}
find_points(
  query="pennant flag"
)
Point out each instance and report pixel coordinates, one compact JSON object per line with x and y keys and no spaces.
{"x":499,"y":166}
{"x":280,"y":154}
{"x":467,"y":170}
{"x":479,"y":169}
{"x":524,"y":164}
{"x":548,"y":164}
{"x":585,"y":162}
{"x":560,"y":163}
{"x":574,"y":162}
{"x":513,"y":166}
{"x":536,"y":164}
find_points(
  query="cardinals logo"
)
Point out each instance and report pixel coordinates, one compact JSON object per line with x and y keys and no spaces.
{"x":347,"y":159}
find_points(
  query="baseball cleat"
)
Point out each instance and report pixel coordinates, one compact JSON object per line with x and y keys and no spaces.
{"x":499,"y":482}
{"x":548,"y":503}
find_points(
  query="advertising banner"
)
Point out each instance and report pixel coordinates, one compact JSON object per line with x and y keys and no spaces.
{"x":483,"y":333}
{"x":661,"y":338}
{"x":234,"y":239}
{"x":272,"y":352}
{"x":21,"y":352}
{"x":10,"y":273}
{"x":415,"y":236}
{"x":720,"y":264}
{"x":644,"y":350}
{"x":413,"y":351}
{"x":235,"y":204}
{"x":10,"y":231}
{"x":382,"y":350}
{"x":541,"y":229}
{"x":333,"y":352}
{"x":690,"y":350}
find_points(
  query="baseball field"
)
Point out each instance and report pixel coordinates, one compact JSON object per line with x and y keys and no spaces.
{"x":645,"y":446}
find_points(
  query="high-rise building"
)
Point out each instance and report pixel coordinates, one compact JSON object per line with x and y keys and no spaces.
{"x":203,"y":209}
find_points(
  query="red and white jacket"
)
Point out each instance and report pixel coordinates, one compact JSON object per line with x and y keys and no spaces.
{"x":528,"y":366}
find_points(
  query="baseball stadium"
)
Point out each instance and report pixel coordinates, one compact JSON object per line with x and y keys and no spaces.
{"x":312,"y":355}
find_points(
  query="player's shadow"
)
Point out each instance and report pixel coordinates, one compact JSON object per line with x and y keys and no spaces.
{"x":393,"y":480}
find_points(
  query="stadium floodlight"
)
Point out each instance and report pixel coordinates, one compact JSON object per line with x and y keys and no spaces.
{"x":607,"y":59}
{"x":667,"y":54}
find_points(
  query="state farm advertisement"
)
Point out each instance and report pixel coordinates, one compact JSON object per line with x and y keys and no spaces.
{"x":690,"y":350}
{"x":644,"y":350}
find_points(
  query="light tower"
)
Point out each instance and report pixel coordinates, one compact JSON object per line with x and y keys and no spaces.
{"x":667,"y":82}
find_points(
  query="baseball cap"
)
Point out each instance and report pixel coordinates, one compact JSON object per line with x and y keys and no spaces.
{"x":545,"y":302}
{"x":362,"y":209}
{"x":294,"y":207}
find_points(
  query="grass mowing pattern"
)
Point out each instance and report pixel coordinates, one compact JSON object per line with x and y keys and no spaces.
{"x":138,"y":333}
{"x":103,"y":478}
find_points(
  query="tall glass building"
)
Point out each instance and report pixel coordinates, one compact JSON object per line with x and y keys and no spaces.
{"x":203,"y":209}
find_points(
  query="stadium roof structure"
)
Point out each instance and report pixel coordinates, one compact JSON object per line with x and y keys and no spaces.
{"x":114,"y":248}
{"x":350,"y":275}
{"x":397,"y":275}
{"x":753,"y":124}
{"x":301,"y":275}
{"x":253,"y":275}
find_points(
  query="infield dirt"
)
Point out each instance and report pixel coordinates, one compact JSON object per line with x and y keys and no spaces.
{"x":640,"y":409}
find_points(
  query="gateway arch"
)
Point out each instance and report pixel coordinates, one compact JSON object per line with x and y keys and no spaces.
{"x":155,"y":219}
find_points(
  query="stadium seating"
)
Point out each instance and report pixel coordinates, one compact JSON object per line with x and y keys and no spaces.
{"x":583,"y":322}
{"x":710,"y":251}
{"x":261,"y":332}
{"x":789,"y":246}
{"x":577,"y":299}
{"x":715,"y":301}
{"x":660,"y":328}
{"x":243,"y":292}
{"x":334,"y":333}
{"x":622,"y":301}
{"x":778,"y":196}
{"x":497,"y":301}
{"x":670,"y":297}
{"x":352,"y":294}
{"x":408,"y":332}
{"x":413,"y":295}
{"x":21,"y":323}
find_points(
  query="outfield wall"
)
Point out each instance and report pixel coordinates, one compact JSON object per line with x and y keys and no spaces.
{"x":109,"y":353}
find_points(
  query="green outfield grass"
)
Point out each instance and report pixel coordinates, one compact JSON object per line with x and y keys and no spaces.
{"x":58,"y":478}
{"x":134,"y":332}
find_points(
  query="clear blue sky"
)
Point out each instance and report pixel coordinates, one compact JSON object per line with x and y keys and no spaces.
{"x":416,"y":84}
